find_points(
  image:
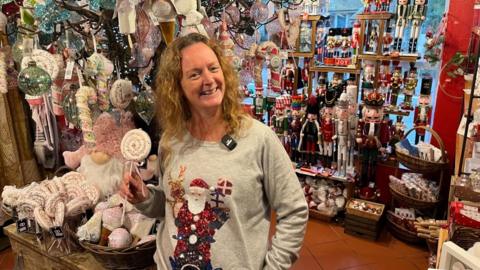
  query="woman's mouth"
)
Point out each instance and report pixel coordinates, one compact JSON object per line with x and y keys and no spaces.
{"x":208,"y":92}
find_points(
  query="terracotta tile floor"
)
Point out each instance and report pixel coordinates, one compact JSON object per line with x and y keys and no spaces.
{"x":326,"y":247}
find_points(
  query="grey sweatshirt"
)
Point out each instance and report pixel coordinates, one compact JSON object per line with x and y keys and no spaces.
{"x":245,"y":184}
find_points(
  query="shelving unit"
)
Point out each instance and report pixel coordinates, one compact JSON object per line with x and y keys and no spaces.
{"x":473,"y":49}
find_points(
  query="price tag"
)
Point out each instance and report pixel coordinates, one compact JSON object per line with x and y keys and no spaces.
{"x":22,"y":225}
{"x":57,"y":232}
{"x":69,"y":70}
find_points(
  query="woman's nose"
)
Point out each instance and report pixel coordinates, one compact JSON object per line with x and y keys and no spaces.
{"x":208,"y":77}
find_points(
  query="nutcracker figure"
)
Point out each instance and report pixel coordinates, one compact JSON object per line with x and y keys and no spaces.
{"x":288,"y":76}
{"x":366,"y":5}
{"x":385,"y":77}
{"x":367,"y":88}
{"x":387,"y":41}
{"x":320,"y":41}
{"x":331,"y":42}
{"x":352,"y":125}
{"x":342,"y":132}
{"x":336,"y":85}
{"x":373,"y":40}
{"x":309,"y":143}
{"x":346,"y":43}
{"x":369,"y":135}
{"x":327,"y":126}
{"x":397,"y":133}
{"x":351,"y":90}
{"x":417,"y":16}
{"x":259,"y":105}
{"x":385,"y":5}
{"x":305,"y":37}
{"x":410,"y":85}
{"x":369,"y":72}
{"x":402,"y":13}
{"x":378,"y":5}
{"x":295,"y":128}
{"x":321,"y":91}
{"x":423,"y":112}
{"x":395,"y":86}
{"x":355,"y":37}
{"x":305,"y":73}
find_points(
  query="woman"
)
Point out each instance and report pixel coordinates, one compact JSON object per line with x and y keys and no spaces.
{"x":215,"y":197}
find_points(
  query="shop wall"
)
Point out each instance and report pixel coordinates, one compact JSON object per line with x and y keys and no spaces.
{"x":448,"y":110}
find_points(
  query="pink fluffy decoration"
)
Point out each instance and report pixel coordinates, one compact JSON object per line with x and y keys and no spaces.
{"x":109,"y":134}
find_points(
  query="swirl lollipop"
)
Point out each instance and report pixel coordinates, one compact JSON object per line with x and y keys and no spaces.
{"x":135,"y":147}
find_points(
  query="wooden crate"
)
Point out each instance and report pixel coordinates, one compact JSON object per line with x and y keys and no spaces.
{"x":363,"y":227}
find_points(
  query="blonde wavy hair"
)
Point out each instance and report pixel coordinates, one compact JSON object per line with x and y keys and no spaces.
{"x":173,"y":110}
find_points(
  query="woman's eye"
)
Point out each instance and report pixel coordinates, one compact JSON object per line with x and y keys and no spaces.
{"x":193,"y":75}
{"x":214,"y":68}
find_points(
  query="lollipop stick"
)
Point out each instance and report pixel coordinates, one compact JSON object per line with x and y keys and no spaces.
{"x":136,"y":175}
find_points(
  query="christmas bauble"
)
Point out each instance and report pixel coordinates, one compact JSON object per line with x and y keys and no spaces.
{"x":34,"y":81}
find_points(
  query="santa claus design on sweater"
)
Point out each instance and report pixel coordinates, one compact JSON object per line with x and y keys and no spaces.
{"x":197,"y":217}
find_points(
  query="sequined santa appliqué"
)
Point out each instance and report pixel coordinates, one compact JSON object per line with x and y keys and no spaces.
{"x":198,"y":213}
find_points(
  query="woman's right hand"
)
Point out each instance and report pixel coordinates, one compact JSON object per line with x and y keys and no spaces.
{"x":134,"y":189}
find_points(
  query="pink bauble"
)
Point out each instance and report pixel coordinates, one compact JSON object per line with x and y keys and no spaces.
{"x":259,"y":12}
{"x":119,"y":238}
{"x":209,"y":27}
{"x":232,"y":15}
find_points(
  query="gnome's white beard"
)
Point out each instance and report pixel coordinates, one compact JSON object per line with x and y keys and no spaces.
{"x":196,"y":205}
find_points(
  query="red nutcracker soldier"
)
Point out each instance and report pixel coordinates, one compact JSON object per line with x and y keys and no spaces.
{"x":331,"y":43}
{"x":369,"y":137}
{"x":345,"y":43}
{"x":288,"y":76}
{"x":356,"y":37}
{"x":310,"y":133}
{"x":327,"y":126}
{"x":387,"y":41}
{"x":385,"y":77}
{"x":305,"y":73}
{"x":378,"y":5}
{"x":423,"y":112}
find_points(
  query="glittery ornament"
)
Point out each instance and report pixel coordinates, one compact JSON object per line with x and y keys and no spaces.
{"x":245,"y":77}
{"x":145,"y":105}
{"x":71,"y":40}
{"x":11,"y":8}
{"x":259,"y":12}
{"x":49,"y":14}
{"x":232,"y":15}
{"x":273,"y":27}
{"x":34,"y":81}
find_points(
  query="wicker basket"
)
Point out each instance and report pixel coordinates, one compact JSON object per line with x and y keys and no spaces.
{"x":464,"y":237}
{"x":137,"y":257}
{"x":421,"y":165}
{"x":401,"y":233}
{"x":360,"y":213}
{"x":326,"y":215}
{"x":411,"y":202}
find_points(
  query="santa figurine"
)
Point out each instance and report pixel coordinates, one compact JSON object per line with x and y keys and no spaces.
{"x":309,"y":143}
{"x":423,"y":112}
{"x":369,"y":137}
{"x":196,"y":224}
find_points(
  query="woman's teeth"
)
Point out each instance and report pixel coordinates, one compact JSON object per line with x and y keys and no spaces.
{"x":208,"y":92}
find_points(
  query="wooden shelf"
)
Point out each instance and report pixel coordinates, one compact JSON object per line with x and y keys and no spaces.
{"x":300,"y":54}
{"x":336,"y":69}
{"x":335,"y":178}
{"x":396,"y":112}
{"x":373,"y":57}
{"x":374,"y":16}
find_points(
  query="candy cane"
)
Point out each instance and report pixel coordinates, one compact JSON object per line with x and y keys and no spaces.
{"x":99,"y":66}
{"x":83,"y":96}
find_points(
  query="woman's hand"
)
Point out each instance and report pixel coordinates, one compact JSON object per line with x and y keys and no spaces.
{"x":134,"y":189}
